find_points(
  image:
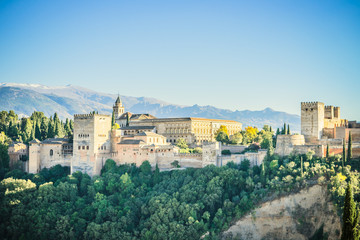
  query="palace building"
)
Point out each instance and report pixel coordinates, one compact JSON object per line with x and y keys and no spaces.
{"x":141,"y":137}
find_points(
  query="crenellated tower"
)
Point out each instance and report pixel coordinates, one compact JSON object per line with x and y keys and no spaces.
{"x":118,"y":108}
{"x":312,"y":120}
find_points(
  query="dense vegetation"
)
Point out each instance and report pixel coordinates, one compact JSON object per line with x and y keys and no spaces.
{"x":36,"y":126}
{"x":25,"y":129}
{"x":129,"y":202}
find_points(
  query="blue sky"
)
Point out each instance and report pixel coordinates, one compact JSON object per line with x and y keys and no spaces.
{"x":229,"y":54}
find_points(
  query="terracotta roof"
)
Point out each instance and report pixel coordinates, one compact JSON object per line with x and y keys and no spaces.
{"x":35,"y":141}
{"x":136,"y":116}
{"x":128,"y":141}
{"x":148,"y":134}
{"x":55,"y":141}
{"x":188,"y":119}
{"x":137,"y":127}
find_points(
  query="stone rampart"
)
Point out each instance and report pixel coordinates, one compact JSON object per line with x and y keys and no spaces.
{"x":285,"y":143}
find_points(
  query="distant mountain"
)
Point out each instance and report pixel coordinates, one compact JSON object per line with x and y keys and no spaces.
{"x":69,"y":100}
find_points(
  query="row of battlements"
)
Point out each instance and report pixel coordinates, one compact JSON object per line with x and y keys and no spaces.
{"x":330,"y":106}
{"x":89,"y":115}
{"x":311,"y":104}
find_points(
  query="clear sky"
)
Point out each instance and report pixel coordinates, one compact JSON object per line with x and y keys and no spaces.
{"x":229,"y":54}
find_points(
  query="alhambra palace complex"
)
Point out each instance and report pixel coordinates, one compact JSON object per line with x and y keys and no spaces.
{"x":143,"y":137}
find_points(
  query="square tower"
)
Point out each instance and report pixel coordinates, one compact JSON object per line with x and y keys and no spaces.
{"x":91,"y":142}
{"x":312,"y":120}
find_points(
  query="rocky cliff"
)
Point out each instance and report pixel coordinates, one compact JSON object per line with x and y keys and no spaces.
{"x":304,"y":215}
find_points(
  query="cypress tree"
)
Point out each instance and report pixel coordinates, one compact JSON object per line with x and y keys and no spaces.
{"x":284,"y":129}
{"x":327,"y":151}
{"x":277,"y":131}
{"x":350,"y":229}
{"x":71,"y":125}
{"x":302,"y":166}
{"x":270,"y":129}
{"x":127,"y":120}
{"x":43,"y":129}
{"x":344,"y":150}
{"x":112,"y":119}
{"x":350,"y":146}
{"x":51,"y":130}
{"x":288,"y":130}
{"x":156,"y":178}
{"x":67,"y":127}
{"x":37,"y":132}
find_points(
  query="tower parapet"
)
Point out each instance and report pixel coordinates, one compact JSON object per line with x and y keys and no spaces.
{"x":89,"y":115}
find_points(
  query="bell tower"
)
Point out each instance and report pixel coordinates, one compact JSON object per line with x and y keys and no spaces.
{"x":118,"y":108}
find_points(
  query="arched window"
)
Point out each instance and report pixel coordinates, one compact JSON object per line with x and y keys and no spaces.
{"x":51,"y":152}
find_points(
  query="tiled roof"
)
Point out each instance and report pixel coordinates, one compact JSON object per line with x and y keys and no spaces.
{"x":128,"y":141}
{"x":55,"y":141}
{"x":137,"y":127}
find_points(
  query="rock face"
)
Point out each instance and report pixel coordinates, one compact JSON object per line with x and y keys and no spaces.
{"x":298,"y":216}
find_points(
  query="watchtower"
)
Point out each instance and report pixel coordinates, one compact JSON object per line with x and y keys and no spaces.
{"x":118,"y":108}
{"x":312,"y":120}
{"x":91,"y":142}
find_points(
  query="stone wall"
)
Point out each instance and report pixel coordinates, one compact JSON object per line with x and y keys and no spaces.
{"x":255,"y":159}
{"x":47,"y":160}
{"x":234,"y":148}
{"x":285,"y":143}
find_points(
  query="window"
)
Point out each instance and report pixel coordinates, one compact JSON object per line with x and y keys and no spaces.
{"x":51,"y":152}
{"x":87,"y":147}
{"x":83,"y":147}
{"x":79,"y":147}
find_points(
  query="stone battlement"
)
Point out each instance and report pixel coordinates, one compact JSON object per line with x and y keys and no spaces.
{"x":88,"y":116}
{"x":310,"y":104}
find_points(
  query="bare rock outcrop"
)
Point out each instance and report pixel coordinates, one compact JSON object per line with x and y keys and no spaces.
{"x":303,"y":215}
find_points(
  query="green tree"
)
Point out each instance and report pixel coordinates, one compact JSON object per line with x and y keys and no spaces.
{"x":4,"y":160}
{"x":288,"y":130}
{"x":284,"y":130}
{"x":236,"y":138}
{"x":350,"y":146}
{"x":51,"y":129}
{"x":222,"y":137}
{"x":181,"y":143}
{"x":350,"y":229}
{"x":156,"y":177}
{"x":127,"y":119}
{"x":327,"y":151}
{"x":37,"y":132}
{"x":344,"y":151}
{"x":277,"y":131}
{"x":43,"y":129}
{"x":112,"y":119}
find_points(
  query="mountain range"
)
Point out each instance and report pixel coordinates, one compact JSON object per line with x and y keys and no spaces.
{"x":68,"y":100}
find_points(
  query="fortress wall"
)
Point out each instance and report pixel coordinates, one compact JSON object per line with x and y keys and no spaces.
{"x":47,"y":161}
{"x":255,"y":159}
{"x":328,"y":132}
{"x":319,"y":150}
{"x":234,"y":148}
{"x":285,"y":143}
{"x":342,"y":132}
